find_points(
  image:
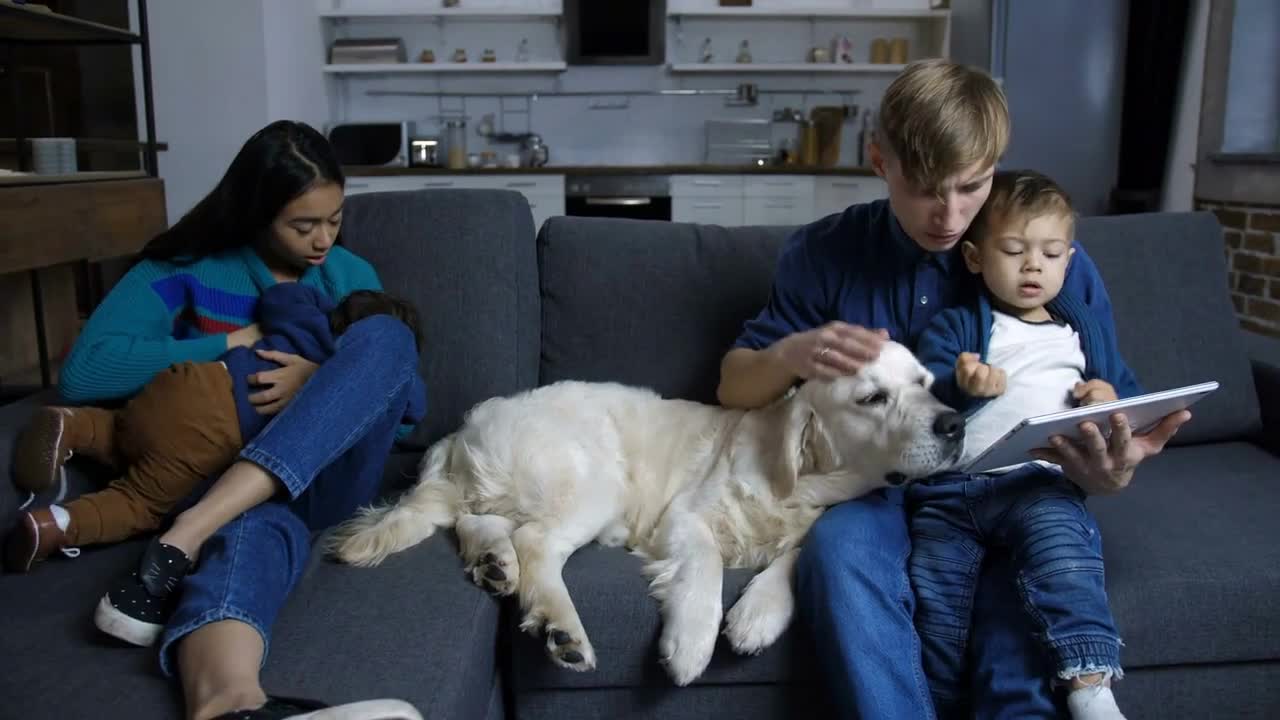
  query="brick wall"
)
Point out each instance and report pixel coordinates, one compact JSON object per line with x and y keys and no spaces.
{"x":1252,"y":235}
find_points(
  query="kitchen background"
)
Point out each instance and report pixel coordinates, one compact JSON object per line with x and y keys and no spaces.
{"x":223,"y":70}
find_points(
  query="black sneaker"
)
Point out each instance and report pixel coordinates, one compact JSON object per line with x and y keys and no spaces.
{"x":280,"y":708}
{"x":137,"y":608}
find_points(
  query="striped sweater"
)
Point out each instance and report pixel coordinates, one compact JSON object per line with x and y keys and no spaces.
{"x":161,"y":313}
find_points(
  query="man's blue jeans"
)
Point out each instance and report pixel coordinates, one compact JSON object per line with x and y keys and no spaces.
{"x":1054,"y":548}
{"x":328,"y":449}
{"x":854,"y":597}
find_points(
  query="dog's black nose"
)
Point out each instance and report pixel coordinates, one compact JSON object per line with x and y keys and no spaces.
{"x":949,"y":425}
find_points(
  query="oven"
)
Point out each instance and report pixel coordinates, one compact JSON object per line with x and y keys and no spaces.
{"x":638,"y":197}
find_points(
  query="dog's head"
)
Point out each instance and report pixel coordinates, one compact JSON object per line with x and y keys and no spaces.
{"x":881,"y":424}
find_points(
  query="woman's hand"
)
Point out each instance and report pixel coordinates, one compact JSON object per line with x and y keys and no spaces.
{"x":282,"y":383}
{"x":830,"y":351}
{"x":244,"y":337}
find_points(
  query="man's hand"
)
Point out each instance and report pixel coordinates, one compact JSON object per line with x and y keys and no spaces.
{"x":1093,"y":392}
{"x":244,"y":337}
{"x":830,"y":351}
{"x":282,"y":383}
{"x":977,"y":379}
{"x":1101,"y":466}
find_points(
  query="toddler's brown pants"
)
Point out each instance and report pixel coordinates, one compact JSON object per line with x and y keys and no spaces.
{"x":180,"y":429}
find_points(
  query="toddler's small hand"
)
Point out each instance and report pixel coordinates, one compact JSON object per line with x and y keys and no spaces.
{"x":1093,"y":392}
{"x":978,"y":379}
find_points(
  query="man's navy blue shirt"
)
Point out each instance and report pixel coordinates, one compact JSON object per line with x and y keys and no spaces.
{"x":861,"y":267}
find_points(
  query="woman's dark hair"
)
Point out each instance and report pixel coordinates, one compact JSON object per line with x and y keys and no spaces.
{"x":361,"y":304}
{"x":280,"y":162}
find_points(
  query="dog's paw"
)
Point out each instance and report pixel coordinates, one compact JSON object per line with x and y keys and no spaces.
{"x":686,"y":652}
{"x":497,"y":572}
{"x":569,"y":650}
{"x":757,"y":620}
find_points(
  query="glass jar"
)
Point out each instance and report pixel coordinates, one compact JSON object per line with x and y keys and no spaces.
{"x":456,"y":139}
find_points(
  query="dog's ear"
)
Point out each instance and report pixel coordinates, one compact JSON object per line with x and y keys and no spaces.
{"x":794,"y":417}
{"x":817,"y":451}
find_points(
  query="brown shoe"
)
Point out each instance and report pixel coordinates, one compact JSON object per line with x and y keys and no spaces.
{"x":41,"y":449}
{"x":33,"y":539}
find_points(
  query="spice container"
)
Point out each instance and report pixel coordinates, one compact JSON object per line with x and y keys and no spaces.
{"x":456,"y":138}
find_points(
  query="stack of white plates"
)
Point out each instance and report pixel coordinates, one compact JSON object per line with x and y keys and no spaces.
{"x":53,"y":156}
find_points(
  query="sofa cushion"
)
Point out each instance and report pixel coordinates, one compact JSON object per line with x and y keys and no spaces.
{"x":1167,"y":278}
{"x":414,"y":627}
{"x":57,"y":664}
{"x":402,"y":629}
{"x":622,"y":622}
{"x":1192,"y":545}
{"x":648,"y":303}
{"x":465,"y":258}
{"x":1192,"y":554}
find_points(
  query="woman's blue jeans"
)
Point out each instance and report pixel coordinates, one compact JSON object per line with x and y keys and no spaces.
{"x":328,"y":449}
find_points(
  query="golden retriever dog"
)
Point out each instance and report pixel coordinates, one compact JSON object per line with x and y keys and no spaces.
{"x":692,"y":488}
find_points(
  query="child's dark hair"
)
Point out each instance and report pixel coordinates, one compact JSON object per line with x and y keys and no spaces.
{"x":1020,"y":194}
{"x":367,"y":303}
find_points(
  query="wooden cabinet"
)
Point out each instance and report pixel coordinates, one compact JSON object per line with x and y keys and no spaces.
{"x":52,"y":226}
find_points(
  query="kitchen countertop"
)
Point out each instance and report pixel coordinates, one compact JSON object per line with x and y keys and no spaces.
{"x":369,"y":171}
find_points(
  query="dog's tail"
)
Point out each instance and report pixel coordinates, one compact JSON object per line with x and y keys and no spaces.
{"x":376,"y":532}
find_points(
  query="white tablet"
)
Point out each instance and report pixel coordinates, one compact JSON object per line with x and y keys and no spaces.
{"x":1143,"y":412}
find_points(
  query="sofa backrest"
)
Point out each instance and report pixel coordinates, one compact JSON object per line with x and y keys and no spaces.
{"x":1166,"y":274}
{"x":648,"y":303}
{"x":465,"y":258}
{"x":657,"y":304}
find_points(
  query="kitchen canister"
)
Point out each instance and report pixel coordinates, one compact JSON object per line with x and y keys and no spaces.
{"x":53,"y":156}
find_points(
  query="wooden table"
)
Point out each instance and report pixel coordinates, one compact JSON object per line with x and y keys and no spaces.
{"x":47,"y":222}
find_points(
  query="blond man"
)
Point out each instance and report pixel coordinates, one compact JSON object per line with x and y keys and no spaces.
{"x":843,"y":285}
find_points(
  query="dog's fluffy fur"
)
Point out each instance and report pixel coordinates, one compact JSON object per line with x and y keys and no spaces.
{"x":693,"y":488}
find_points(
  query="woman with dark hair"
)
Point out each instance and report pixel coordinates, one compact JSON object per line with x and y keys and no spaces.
{"x":274,"y":217}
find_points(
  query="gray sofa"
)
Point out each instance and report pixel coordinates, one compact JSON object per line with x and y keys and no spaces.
{"x":1193,"y":548}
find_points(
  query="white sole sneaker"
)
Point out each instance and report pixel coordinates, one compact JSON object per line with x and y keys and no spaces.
{"x":119,"y":625}
{"x":365,"y":710}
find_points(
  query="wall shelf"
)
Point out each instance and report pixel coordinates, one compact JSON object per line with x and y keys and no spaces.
{"x":459,"y":13}
{"x":19,"y":24}
{"x":823,"y":68}
{"x":444,"y":67}
{"x":748,"y":13}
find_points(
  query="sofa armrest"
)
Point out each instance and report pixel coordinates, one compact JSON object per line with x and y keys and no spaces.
{"x":1264,"y":354}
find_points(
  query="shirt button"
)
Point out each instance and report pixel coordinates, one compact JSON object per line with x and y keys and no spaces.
{"x":924,"y":299}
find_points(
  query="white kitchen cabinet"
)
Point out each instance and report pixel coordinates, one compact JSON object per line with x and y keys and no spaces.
{"x":779,"y":211}
{"x":359,"y":185}
{"x":706,"y":186}
{"x":545,"y":193}
{"x":774,"y":186}
{"x":834,"y":194}
{"x":545,"y":207}
{"x":707,"y":199}
{"x":777,"y":199}
{"x":725,"y":211}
